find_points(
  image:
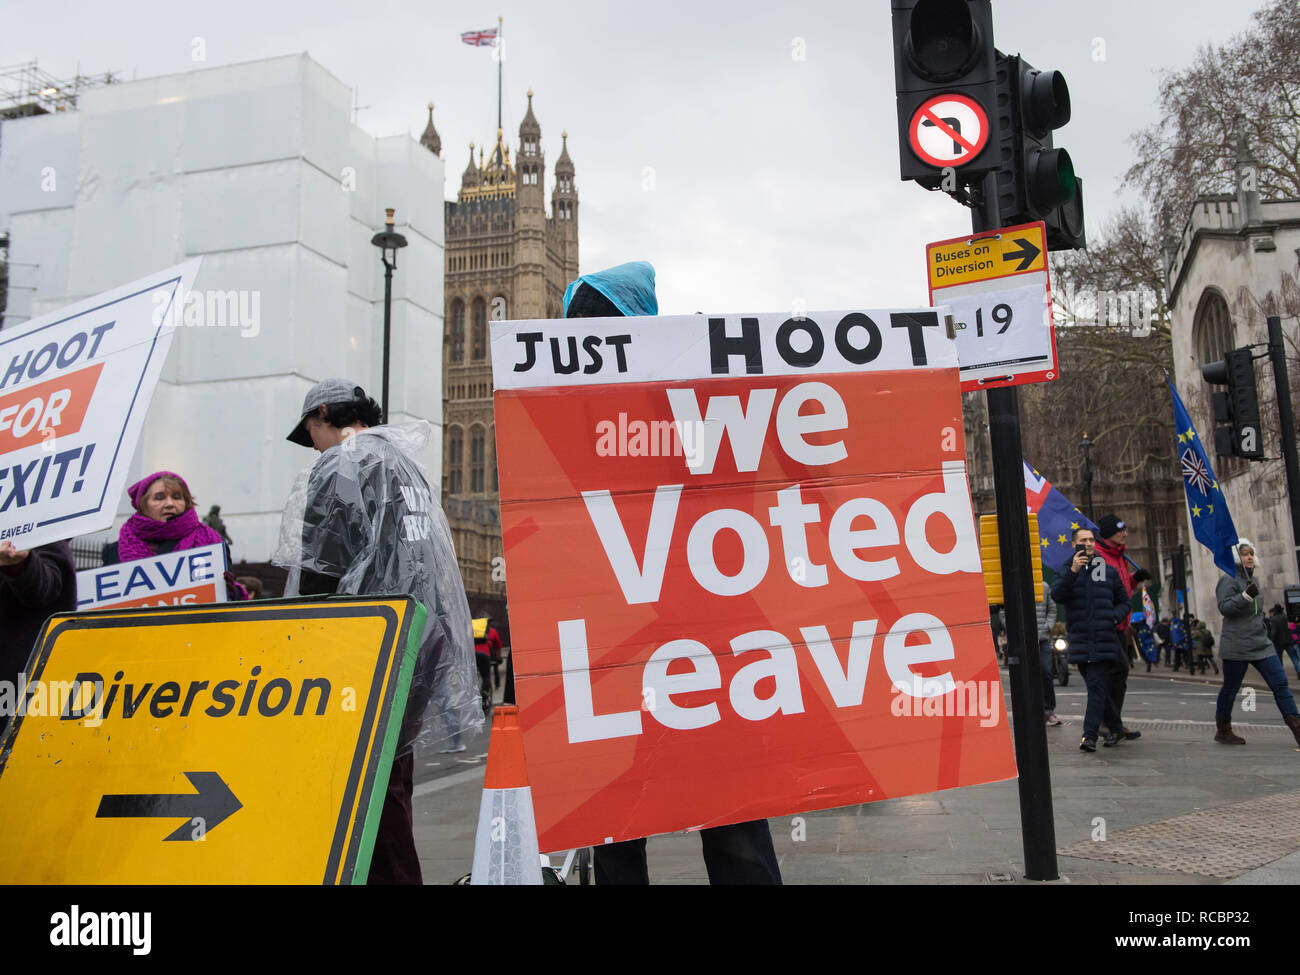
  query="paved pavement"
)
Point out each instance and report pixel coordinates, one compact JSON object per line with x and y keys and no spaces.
{"x":1171,"y":808}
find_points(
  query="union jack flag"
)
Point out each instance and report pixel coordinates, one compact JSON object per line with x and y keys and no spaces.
{"x":1196,"y":472}
{"x":480,"y":38}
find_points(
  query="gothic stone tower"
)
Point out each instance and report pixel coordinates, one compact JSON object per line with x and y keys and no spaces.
{"x":506,"y":259}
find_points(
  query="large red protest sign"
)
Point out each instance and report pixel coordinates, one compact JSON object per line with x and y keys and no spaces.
{"x":742,"y":569}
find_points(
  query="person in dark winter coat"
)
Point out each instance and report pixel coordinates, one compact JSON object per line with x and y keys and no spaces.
{"x":1112,"y":545}
{"x":1164,"y":634}
{"x":1279,"y":631}
{"x":1204,"y":649}
{"x":1244,"y":641}
{"x":1095,"y":601}
{"x":34,"y":585}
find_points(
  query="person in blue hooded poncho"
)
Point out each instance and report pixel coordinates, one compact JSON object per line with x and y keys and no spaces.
{"x":741,"y":853}
{"x":628,"y":289}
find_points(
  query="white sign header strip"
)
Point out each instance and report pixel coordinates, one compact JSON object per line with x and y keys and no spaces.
{"x":598,"y":351}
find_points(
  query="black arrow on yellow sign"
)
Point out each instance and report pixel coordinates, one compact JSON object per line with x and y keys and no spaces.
{"x":1025,"y":253}
{"x":212,"y":804}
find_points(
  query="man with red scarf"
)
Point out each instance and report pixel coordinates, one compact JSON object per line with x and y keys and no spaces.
{"x":1112,"y":541}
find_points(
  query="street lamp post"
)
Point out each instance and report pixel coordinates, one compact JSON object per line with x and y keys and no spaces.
{"x":389,"y":242}
{"x":1087,"y":476}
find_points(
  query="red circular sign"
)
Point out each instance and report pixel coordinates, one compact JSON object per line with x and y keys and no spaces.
{"x":948,"y":130}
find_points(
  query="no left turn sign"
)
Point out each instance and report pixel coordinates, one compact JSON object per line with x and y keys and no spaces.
{"x":948,"y":130}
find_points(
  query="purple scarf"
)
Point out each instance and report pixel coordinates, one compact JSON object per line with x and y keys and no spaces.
{"x":134,"y":537}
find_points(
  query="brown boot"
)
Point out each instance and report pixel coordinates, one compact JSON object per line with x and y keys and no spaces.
{"x":1225,"y":735}
{"x":1293,"y":722}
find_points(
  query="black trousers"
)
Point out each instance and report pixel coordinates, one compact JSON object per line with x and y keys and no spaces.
{"x":738,"y":854}
{"x":1119,"y":684}
{"x":1099,"y":678}
{"x":395,"y":860}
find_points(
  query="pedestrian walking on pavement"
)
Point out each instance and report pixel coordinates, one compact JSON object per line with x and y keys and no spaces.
{"x":1204,"y":648}
{"x":1163,"y":631}
{"x":1182,"y":642}
{"x":1245,"y":641}
{"x":1112,"y":544}
{"x":1046,"y":612}
{"x":1094,"y":601}
{"x":1279,"y":631}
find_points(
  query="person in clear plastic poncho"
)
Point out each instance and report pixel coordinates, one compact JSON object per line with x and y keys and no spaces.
{"x":362,"y":521}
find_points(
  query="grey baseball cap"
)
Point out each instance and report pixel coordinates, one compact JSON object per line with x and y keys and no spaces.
{"x":325,"y":392}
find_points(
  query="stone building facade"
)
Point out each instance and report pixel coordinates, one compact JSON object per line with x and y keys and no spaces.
{"x":506,"y":258}
{"x":1234,"y":264}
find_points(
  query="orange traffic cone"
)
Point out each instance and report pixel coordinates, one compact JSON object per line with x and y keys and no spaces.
{"x":505,"y":849}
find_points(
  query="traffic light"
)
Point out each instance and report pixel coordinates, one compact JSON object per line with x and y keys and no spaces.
{"x":944,"y":74}
{"x":1036,"y":180}
{"x":1238,"y":407}
{"x":991,"y":557}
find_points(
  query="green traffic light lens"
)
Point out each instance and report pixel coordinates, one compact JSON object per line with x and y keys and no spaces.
{"x":1050,"y":178}
{"x":1065,"y":175}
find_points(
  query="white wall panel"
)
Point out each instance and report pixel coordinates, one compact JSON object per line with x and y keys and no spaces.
{"x":38,"y":163}
{"x":39,"y":244}
{"x":323,"y":221}
{"x":319,"y":320}
{"x":326,"y":120}
{"x":249,"y":206}
{"x":262,"y":282}
{"x":241,"y":128}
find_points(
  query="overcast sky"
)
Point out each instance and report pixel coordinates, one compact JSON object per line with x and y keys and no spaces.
{"x":750,"y":179}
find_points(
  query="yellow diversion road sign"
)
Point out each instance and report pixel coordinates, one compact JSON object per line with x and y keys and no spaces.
{"x":1018,"y":250}
{"x":225,"y":743}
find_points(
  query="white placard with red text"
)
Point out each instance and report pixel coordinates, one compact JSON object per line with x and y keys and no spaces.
{"x":74,"y":389}
{"x":194,"y":575}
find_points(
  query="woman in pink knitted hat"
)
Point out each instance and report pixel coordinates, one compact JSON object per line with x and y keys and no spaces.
{"x":166,"y":520}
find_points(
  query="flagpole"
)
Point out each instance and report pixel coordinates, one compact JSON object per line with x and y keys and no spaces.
{"x":501,"y":51}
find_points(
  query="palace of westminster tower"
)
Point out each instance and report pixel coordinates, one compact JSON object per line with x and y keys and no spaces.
{"x":506,"y":258}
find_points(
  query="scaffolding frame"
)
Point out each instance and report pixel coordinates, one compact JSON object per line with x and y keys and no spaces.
{"x":25,"y":89}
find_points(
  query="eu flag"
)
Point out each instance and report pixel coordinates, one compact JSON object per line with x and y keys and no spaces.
{"x":1057,"y":519}
{"x":1211,"y":521}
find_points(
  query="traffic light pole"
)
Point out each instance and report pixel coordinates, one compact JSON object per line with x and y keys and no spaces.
{"x":1038,"y":830}
{"x":1277,"y":352}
